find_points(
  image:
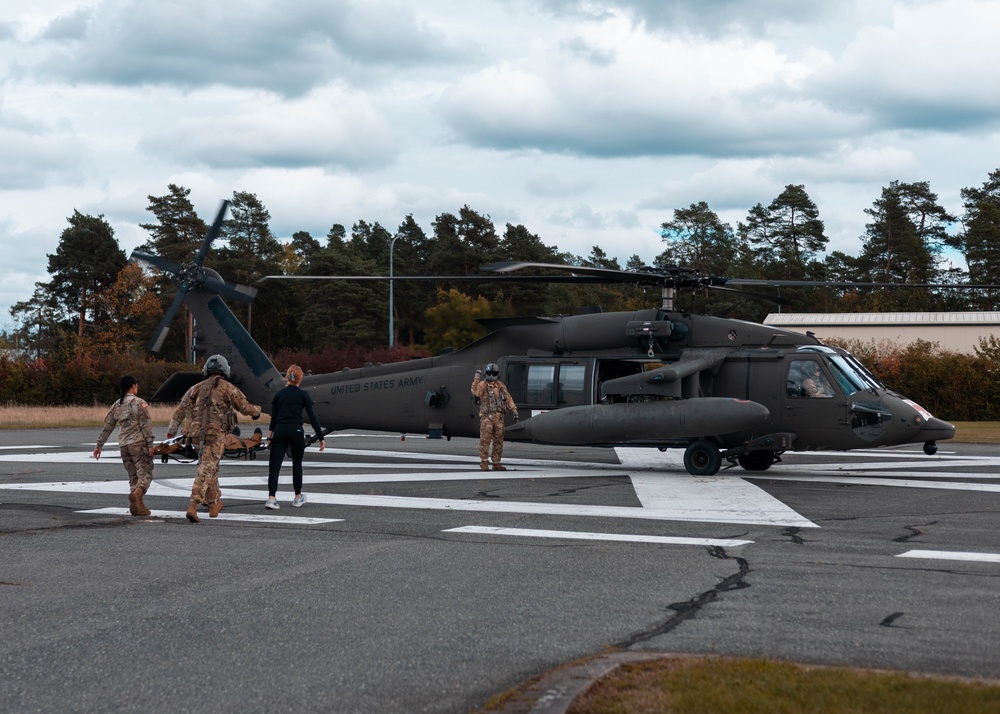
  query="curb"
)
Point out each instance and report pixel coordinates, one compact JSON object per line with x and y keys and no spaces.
{"x":554,"y":691}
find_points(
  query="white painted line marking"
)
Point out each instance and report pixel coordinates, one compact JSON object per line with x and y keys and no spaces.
{"x":952,"y":555}
{"x":724,"y":498}
{"x":577,"y":535}
{"x":897,"y":483}
{"x":248,"y":517}
{"x":29,"y":446}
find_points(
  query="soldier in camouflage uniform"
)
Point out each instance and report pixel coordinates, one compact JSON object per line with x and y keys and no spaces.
{"x":208,"y":413}
{"x":135,"y":440}
{"x":494,"y":402}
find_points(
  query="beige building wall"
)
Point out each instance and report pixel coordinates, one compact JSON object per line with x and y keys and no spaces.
{"x":958,"y":331}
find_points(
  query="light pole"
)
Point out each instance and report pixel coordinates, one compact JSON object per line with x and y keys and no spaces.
{"x":392,"y":242}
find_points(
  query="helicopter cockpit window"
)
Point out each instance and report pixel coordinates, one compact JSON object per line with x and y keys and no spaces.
{"x":849,"y":373}
{"x":806,"y":379}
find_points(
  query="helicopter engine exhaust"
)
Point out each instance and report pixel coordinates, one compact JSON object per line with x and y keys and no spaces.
{"x":653,"y":422}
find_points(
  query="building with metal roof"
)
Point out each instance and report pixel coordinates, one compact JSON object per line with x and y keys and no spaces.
{"x":956,"y":331}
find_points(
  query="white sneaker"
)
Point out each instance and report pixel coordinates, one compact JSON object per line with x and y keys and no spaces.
{"x":272,"y":503}
{"x":299,"y":500}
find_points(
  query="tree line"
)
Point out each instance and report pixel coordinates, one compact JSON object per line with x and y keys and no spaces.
{"x":97,"y":302}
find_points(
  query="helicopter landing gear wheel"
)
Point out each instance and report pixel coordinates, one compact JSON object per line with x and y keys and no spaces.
{"x":930,"y":448}
{"x":756,"y":460}
{"x":702,"y":458}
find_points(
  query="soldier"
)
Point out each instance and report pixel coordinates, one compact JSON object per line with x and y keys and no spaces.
{"x":207,"y":412}
{"x":494,"y":401}
{"x":135,"y":441}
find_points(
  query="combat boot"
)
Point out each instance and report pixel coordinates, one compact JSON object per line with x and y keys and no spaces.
{"x":143,"y":510}
{"x":214,"y":508}
{"x":192,"y":513}
{"x":134,"y":499}
{"x":483,"y":466}
{"x":498,"y":467}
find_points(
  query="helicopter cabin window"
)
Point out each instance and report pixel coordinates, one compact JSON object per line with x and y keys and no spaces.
{"x":571,"y":384}
{"x":806,"y":379}
{"x":541,"y":378}
{"x":547,"y":385}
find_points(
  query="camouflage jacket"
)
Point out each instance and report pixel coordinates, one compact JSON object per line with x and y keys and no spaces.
{"x":132,"y":415}
{"x":209,"y":409}
{"x":493,"y":397}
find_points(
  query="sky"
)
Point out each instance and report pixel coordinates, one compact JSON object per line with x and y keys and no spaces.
{"x":587,"y":122}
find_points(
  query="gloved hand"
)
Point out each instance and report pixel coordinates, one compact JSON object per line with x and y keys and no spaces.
{"x":517,"y":418}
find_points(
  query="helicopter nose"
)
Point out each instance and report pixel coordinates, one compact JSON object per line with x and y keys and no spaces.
{"x":936,"y":430}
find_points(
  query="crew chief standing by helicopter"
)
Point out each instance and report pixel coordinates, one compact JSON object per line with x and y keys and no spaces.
{"x":494,"y":401}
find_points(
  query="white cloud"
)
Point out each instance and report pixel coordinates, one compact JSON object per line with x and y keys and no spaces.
{"x":287,"y":48}
{"x":587,"y":121}
{"x":329,"y":127}
{"x":930,"y":67}
{"x":649,"y":96}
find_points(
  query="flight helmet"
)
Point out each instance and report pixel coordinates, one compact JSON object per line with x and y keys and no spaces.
{"x":216,"y":364}
{"x":492,"y":372}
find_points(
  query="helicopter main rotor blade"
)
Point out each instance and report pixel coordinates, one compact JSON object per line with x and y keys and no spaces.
{"x":850,"y":284}
{"x":163,"y":328}
{"x":609,"y":274}
{"x":761,"y":297}
{"x":158,"y":262}
{"x":449,"y":278}
{"x":212,"y":234}
{"x":242,"y":293}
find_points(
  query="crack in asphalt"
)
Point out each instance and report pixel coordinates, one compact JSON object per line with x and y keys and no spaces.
{"x":793,"y":534}
{"x":686,"y":610}
{"x":915,"y":532}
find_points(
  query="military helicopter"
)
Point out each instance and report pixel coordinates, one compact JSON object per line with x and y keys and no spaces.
{"x":721,"y":389}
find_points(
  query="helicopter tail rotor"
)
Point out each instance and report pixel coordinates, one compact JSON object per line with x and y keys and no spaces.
{"x":192,"y":276}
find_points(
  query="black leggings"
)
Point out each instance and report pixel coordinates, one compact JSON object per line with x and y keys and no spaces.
{"x":286,"y":438}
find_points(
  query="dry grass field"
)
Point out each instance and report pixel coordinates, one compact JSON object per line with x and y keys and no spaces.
{"x":18,"y":417}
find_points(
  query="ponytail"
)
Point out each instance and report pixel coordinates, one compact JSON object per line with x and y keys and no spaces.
{"x":125,"y":384}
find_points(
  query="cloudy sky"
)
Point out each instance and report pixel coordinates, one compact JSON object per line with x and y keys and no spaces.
{"x":588,"y":122}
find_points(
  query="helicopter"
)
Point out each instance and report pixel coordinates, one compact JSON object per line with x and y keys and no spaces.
{"x":720,"y":389}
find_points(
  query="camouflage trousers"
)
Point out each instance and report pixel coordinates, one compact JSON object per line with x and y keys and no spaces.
{"x":205,"y":488}
{"x":138,"y":465}
{"x":491,"y":429}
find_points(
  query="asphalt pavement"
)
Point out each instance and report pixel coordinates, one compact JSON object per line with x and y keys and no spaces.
{"x":413,"y":582}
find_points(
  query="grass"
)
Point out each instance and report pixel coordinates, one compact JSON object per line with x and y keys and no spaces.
{"x":19,"y":417}
{"x":706,"y":685}
{"x":977,"y":432}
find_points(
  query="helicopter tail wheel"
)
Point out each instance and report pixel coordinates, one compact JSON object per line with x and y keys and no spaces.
{"x":756,"y":460}
{"x":702,"y":458}
{"x":930,"y":448}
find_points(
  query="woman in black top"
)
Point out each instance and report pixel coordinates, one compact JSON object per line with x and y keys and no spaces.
{"x":287,"y":434}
